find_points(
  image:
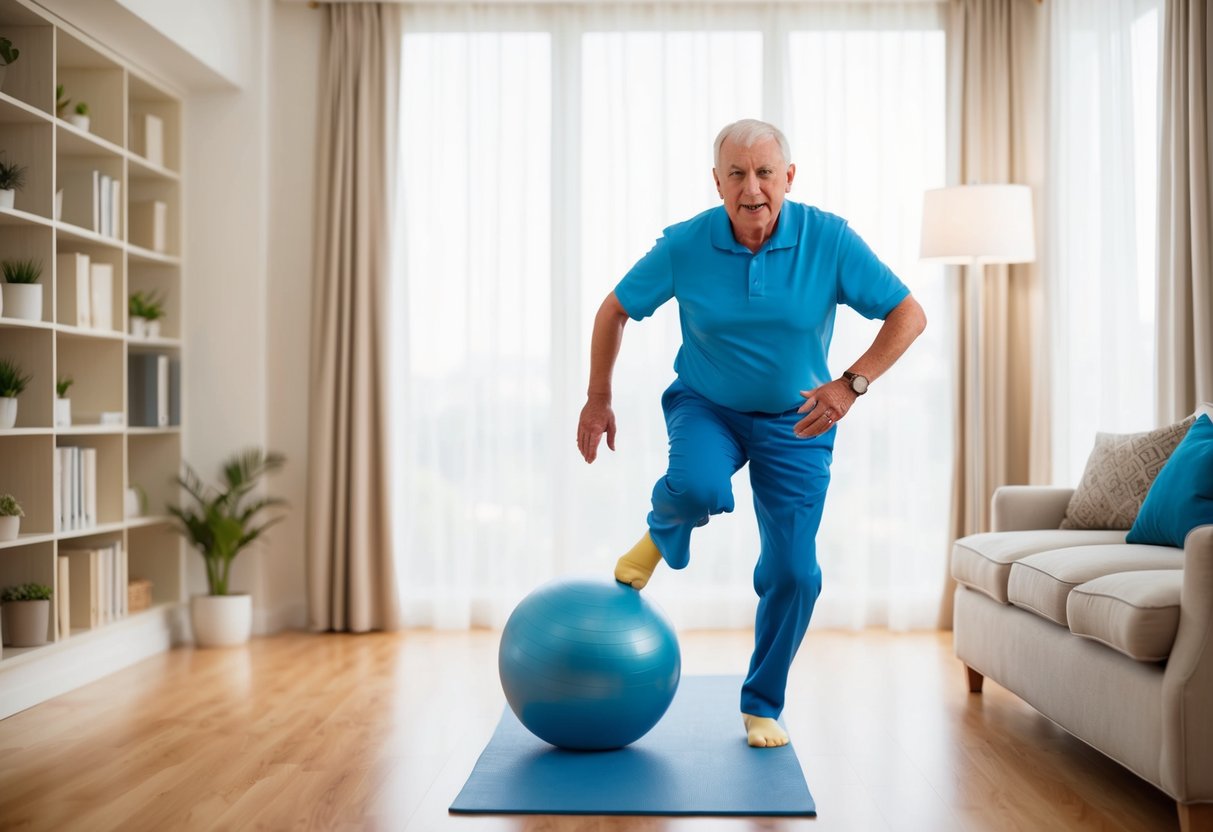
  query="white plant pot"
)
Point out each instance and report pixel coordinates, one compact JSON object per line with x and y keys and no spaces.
{"x":79,"y":121}
{"x":138,"y":327}
{"x":23,"y":301}
{"x":221,"y":620}
{"x":59,"y":204}
{"x":10,"y":527}
{"x":8,"y":413}
{"x":25,"y":622}
{"x":8,"y":197}
{"x":153,"y":329}
{"x":63,"y":413}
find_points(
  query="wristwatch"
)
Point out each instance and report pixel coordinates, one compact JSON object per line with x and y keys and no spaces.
{"x":859,"y":384}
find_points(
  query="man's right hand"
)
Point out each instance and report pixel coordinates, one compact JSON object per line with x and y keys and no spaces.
{"x":597,"y":418}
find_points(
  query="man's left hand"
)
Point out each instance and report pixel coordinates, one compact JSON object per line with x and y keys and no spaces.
{"x":824,"y":406}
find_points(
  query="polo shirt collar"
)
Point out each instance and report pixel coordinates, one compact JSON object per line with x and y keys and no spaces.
{"x":787,"y":230}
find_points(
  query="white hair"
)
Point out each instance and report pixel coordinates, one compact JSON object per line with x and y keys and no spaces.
{"x":747,"y":133}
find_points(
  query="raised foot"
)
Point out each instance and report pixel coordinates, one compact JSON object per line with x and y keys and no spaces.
{"x":636,"y":567}
{"x":764,"y":732}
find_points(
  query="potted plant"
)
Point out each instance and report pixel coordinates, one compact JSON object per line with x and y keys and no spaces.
{"x":146,"y":310}
{"x":221,"y":522}
{"x":7,"y":55}
{"x":10,"y":517}
{"x":12,"y":179}
{"x":26,"y":612}
{"x":61,"y":103}
{"x":12,"y":384}
{"x":21,"y":291}
{"x":63,"y":405}
{"x":79,"y":116}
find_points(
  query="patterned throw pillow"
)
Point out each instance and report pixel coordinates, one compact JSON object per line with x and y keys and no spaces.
{"x":1118,"y":475}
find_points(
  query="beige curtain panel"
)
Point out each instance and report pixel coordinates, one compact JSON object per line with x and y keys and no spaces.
{"x":351,"y":576}
{"x":997,"y":89}
{"x":1185,"y":212}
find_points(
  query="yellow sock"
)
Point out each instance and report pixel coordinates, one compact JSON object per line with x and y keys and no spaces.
{"x":636,"y":567}
{"x":763,"y":732}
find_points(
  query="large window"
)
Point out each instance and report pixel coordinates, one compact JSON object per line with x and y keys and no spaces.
{"x":1103,"y":151}
{"x":543,"y":152}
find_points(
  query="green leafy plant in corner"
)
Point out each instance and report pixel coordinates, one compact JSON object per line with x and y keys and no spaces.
{"x":63,"y":385}
{"x":21,"y":271}
{"x":148,"y":305}
{"x":25,"y":592}
{"x":9,"y":507}
{"x":12,"y":380}
{"x":81,"y":108}
{"x":61,"y":103}
{"x":7,"y":53}
{"x":12,"y":176}
{"x":224,"y":520}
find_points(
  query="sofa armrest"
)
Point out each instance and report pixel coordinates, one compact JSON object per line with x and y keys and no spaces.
{"x":1021,"y":507}
{"x":1187,"y":739}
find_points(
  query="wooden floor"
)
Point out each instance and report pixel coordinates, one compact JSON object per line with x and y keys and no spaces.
{"x":380,"y":731}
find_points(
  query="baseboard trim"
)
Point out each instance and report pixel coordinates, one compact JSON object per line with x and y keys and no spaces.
{"x":31,"y":678}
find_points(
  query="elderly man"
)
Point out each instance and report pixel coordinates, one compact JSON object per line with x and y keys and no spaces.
{"x":757,"y":282}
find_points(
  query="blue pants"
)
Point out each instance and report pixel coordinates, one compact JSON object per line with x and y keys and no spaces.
{"x":789,"y":477}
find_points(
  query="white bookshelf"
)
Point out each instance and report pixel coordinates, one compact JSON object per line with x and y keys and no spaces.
{"x":59,"y":155}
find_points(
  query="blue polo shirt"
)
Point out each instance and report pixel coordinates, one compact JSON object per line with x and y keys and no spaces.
{"x":756,"y":327}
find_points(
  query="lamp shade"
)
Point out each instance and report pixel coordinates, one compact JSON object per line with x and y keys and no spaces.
{"x":978,"y":224}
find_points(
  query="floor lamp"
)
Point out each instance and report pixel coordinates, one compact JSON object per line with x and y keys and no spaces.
{"x":975,"y":225}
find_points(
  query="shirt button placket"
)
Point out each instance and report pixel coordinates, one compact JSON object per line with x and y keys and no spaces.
{"x":756,"y":277}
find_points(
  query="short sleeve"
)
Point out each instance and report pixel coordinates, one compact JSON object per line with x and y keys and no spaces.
{"x":648,"y":284}
{"x":865,"y":283}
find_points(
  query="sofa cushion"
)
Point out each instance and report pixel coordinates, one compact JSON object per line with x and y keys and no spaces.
{"x":1136,"y":613}
{"x":1118,"y":475}
{"x":1181,"y":497}
{"x":1041,"y":583}
{"x":983,"y":561}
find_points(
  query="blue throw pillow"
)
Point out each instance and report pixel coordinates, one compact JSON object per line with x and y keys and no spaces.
{"x":1181,"y":497}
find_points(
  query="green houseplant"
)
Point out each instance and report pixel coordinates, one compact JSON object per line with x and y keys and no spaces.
{"x":79,"y":115}
{"x":21,"y":290}
{"x":221,"y":522}
{"x":12,"y":179}
{"x":12,"y":384}
{"x":26,"y":614}
{"x":8,"y":54}
{"x":61,"y":103}
{"x":10,"y":517}
{"x":63,"y":405}
{"x":146,"y":309}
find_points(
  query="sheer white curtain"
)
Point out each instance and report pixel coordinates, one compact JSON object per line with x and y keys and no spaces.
{"x":544,"y":150}
{"x":1100,"y":266}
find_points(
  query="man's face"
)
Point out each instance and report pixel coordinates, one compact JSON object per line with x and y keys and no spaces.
{"x":752,"y":182}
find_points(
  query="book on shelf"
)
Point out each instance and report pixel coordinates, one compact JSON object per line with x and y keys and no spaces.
{"x":75,"y":478}
{"x":149,"y":391}
{"x":147,"y":137}
{"x":101,"y":284}
{"x":63,"y":597}
{"x":83,"y":571}
{"x":81,"y":197}
{"x":174,"y":391}
{"x":74,"y":296}
{"x":96,"y":584}
{"x":147,"y":224}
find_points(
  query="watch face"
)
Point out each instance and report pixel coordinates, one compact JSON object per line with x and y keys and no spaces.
{"x":859,"y":384}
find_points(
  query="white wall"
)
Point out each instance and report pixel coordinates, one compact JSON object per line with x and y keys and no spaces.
{"x":294,"y":78}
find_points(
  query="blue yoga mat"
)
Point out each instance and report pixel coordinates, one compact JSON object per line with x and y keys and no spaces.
{"x":694,"y":762}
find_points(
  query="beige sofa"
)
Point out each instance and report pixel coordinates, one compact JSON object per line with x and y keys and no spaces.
{"x":1112,"y":641}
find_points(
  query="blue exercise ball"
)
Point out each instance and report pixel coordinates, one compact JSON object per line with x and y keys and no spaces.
{"x":589,"y":665}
